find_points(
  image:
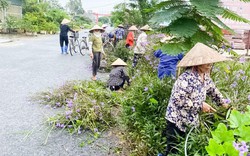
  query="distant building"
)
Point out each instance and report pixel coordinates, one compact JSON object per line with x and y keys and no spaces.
{"x":242,"y":9}
{"x":240,"y":40}
{"x":14,"y":9}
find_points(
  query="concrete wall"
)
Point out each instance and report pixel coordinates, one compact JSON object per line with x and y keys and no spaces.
{"x":14,"y":9}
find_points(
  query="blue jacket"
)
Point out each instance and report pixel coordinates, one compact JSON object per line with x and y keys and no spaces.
{"x":167,"y":64}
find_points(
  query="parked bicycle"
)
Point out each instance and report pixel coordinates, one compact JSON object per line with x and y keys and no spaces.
{"x":108,"y":45}
{"x":84,"y":45}
{"x":74,"y":44}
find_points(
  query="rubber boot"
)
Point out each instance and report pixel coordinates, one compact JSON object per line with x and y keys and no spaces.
{"x":66,"y":49}
{"x":61,"y":50}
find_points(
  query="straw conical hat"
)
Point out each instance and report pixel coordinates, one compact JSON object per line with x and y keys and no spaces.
{"x":120,"y":25}
{"x":119,"y":62}
{"x":201,"y":54}
{"x":104,"y":25}
{"x":132,"y":28}
{"x":65,"y":21}
{"x":146,"y":27}
{"x":96,"y":27}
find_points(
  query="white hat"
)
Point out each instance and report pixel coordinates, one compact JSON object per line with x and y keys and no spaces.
{"x":201,"y":54}
{"x":132,"y":28}
{"x":65,"y":21}
{"x":96,"y":27}
{"x":146,"y":27}
{"x":119,"y":62}
{"x":104,"y":25}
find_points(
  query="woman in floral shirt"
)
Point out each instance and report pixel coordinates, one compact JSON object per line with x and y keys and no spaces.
{"x":189,"y":92}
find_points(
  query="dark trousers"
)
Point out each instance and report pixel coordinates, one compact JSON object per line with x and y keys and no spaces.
{"x":64,"y":39}
{"x":136,"y":59}
{"x":96,"y":62}
{"x":172,"y":132}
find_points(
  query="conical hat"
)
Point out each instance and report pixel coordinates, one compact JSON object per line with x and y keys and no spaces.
{"x":119,"y":62}
{"x":120,"y":25}
{"x":133,"y":28}
{"x":96,"y":27}
{"x":65,"y":21}
{"x":104,"y":25}
{"x":146,"y":27}
{"x":201,"y":54}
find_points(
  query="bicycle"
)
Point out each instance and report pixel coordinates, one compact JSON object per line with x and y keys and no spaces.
{"x":108,"y":45}
{"x":84,"y":45}
{"x":74,"y":45}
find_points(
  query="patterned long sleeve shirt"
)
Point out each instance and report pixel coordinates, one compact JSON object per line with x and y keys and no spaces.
{"x":188,"y":94}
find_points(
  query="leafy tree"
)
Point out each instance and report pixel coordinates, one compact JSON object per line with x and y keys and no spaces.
{"x":191,"y":22}
{"x":126,"y":14}
{"x":75,"y":7}
{"x":103,"y":19}
{"x":143,"y":5}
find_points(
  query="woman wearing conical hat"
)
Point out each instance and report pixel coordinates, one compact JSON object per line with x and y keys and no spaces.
{"x":118,"y":75}
{"x":189,"y":92}
{"x":64,"y":29}
{"x":96,"y":48}
{"x":141,"y":43}
{"x":130,"y":37}
{"x":119,"y":34}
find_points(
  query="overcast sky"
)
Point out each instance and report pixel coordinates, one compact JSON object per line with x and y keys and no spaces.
{"x":100,"y":6}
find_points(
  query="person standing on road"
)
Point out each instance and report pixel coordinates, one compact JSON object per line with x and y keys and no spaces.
{"x":141,"y":43}
{"x":189,"y":93}
{"x":64,"y":29}
{"x":131,"y":37}
{"x":96,"y":48}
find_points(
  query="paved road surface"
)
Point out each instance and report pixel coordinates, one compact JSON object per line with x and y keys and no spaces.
{"x":27,"y":66}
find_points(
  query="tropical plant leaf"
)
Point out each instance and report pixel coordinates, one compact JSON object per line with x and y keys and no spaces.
{"x":168,"y":15}
{"x":166,"y":4}
{"x":207,"y":8}
{"x":183,"y":27}
{"x":175,"y":48}
{"x":223,"y":25}
{"x":228,"y":14}
{"x":201,"y":36}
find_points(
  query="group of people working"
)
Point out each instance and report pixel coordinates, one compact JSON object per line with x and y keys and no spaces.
{"x":189,"y":91}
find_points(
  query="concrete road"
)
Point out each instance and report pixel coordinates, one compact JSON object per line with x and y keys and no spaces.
{"x":27,"y":66}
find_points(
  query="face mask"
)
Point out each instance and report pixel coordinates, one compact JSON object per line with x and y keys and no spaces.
{"x":97,"y":33}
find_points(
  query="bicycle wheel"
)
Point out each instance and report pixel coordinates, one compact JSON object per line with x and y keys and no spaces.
{"x":71,"y":48}
{"x":76,"y":46}
{"x":84,"y":47}
{"x":108,"y":47}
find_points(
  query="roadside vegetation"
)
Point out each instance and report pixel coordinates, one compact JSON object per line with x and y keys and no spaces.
{"x":139,"y":111}
{"x":45,"y":17}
